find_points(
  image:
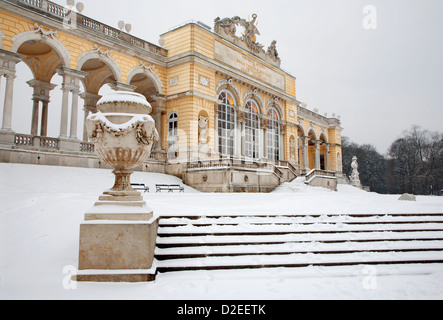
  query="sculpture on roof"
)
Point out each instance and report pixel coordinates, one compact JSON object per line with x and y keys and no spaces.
{"x":228,"y":29}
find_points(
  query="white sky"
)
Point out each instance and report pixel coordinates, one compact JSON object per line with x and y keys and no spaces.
{"x":380,"y":81}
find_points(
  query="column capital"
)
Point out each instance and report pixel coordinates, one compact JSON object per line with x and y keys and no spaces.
{"x":8,"y":61}
{"x":120,"y":86}
{"x":91,"y":99}
{"x":41,"y":89}
{"x":161,"y":102}
{"x":71,"y":78}
{"x":10,"y":76}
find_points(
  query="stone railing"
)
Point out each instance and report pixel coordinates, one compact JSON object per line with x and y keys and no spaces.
{"x":58,"y":12}
{"x":49,"y":143}
{"x":87,"y":147}
{"x":23,"y":140}
{"x":26,"y":141}
{"x":323,"y":173}
{"x":232,"y":162}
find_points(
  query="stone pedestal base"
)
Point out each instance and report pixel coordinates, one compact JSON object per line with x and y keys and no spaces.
{"x":118,"y":240}
{"x":7,"y":137}
{"x":356,"y":183}
{"x":69,"y":144}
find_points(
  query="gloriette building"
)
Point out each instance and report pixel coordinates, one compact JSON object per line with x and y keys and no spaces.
{"x":227,"y":114}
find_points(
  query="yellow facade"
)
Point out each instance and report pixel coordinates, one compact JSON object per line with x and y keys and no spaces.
{"x":186,"y":77}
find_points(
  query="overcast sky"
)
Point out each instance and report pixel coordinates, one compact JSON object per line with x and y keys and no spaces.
{"x":380,"y":81}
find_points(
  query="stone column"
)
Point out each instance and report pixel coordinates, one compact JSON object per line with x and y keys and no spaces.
{"x":8,"y":62}
{"x":64,"y":114}
{"x":160,"y":109}
{"x":306,"y":153}
{"x":90,"y":105}
{"x":44,"y":124}
{"x":71,"y":83}
{"x":35,"y":114}
{"x":74,"y":114}
{"x":327,"y":158}
{"x":317,"y":155}
{"x":41,"y":94}
{"x":7,"y":109}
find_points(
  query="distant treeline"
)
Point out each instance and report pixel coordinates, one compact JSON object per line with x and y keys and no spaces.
{"x":414,"y":163}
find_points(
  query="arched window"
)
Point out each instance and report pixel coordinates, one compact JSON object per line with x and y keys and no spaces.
{"x":273,"y":135}
{"x":226,"y":124}
{"x":173,"y":136}
{"x":252,"y":130}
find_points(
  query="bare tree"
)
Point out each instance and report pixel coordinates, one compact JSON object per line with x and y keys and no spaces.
{"x":417,"y":162}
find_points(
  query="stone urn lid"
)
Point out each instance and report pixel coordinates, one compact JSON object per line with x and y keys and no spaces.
{"x":124,"y":102}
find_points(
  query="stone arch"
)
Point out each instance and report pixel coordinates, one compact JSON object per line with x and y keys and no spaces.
{"x":253,"y":95}
{"x":301,"y":129}
{"x":56,"y":45}
{"x":149,"y":73}
{"x":312,"y":133}
{"x":323,"y":136}
{"x":273,"y":103}
{"x":106,"y":59}
{"x":229,"y":85}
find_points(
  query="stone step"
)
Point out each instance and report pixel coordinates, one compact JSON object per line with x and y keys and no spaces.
{"x":254,"y":230}
{"x":247,"y":242}
{"x":298,"y":260}
{"x":299,"y":248}
{"x":304,"y":220}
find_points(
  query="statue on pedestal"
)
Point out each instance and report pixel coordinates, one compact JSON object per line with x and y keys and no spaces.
{"x":355,"y":176}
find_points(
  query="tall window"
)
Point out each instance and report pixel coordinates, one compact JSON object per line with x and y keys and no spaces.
{"x":252,"y":130}
{"x":226,"y":124}
{"x":273,"y":135}
{"x":173,"y":136}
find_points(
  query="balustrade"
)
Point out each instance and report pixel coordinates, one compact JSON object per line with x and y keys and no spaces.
{"x":49,"y":143}
{"x":24,"y":140}
{"x":59,"y":12}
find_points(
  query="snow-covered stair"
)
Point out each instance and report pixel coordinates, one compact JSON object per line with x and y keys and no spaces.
{"x":249,"y":242}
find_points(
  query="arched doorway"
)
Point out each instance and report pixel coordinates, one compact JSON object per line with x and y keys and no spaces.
{"x":312,"y":149}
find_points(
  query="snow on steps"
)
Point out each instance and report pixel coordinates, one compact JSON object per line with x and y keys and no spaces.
{"x":245,"y":242}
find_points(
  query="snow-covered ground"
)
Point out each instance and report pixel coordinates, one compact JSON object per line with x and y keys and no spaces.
{"x":41,"y":209}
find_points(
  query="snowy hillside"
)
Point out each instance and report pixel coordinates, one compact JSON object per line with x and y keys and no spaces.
{"x":41,"y":209}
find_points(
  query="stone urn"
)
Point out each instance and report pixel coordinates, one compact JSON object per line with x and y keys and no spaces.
{"x":118,"y":235}
{"x":124,"y":134}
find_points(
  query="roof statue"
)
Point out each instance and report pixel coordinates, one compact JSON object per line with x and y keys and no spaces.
{"x":227,"y":28}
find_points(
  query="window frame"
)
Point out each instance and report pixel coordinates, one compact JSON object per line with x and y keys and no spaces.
{"x":273,"y":135}
{"x":252,"y":130}
{"x":226,"y":123}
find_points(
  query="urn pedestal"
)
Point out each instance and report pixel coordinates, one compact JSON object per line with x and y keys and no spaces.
{"x":117,"y":237}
